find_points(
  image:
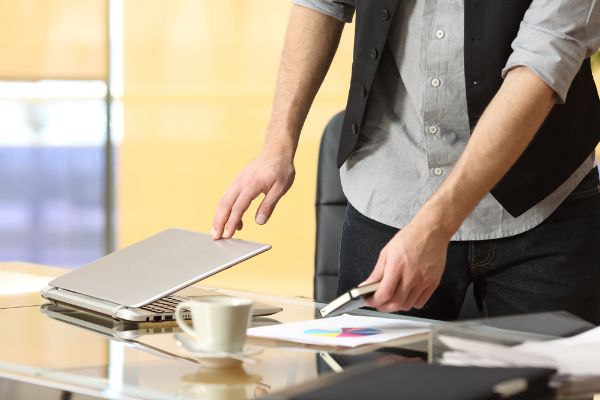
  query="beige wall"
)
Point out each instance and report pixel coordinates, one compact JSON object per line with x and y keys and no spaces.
{"x":55,"y":39}
{"x":199,"y":80}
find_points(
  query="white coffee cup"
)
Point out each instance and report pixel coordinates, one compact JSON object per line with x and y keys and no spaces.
{"x":219,"y":323}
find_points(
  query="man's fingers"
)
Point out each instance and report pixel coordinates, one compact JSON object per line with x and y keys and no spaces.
{"x":224,"y":210}
{"x":388,"y":284}
{"x":409,"y":290}
{"x":411,"y":298}
{"x":237,"y":211}
{"x":412,"y":292}
{"x":400,"y":301}
{"x":268,"y":204}
{"x":424,"y":297}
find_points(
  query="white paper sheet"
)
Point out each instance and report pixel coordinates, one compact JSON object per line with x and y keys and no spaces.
{"x":474,"y":352}
{"x":344,"y":330}
{"x":575,"y":356}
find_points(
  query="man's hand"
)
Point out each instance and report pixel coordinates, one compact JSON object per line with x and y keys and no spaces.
{"x":271,"y":174}
{"x":410,"y":266}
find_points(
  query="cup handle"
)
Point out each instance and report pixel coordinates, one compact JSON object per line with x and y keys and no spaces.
{"x":181,"y":321}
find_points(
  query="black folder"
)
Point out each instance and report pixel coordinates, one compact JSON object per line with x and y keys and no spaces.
{"x":424,"y":382}
{"x":553,"y":323}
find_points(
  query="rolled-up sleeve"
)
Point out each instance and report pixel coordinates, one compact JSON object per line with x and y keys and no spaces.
{"x":340,"y":9}
{"x":554,"y":39}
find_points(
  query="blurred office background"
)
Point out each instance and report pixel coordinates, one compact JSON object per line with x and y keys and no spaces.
{"x":186,"y":86}
{"x":120,"y":118}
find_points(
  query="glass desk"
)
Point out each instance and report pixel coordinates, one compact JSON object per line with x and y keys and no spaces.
{"x":77,"y":352}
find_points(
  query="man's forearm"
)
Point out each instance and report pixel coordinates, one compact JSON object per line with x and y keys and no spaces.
{"x":504,"y":131}
{"x":311,"y":42}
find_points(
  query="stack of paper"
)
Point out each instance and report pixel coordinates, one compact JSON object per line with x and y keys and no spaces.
{"x":576,"y":359}
{"x":343,"y":331}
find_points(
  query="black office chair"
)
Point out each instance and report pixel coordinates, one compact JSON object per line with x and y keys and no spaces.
{"x":330,"y":209}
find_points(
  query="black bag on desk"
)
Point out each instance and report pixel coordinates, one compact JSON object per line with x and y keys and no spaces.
{"x":424,"y":382}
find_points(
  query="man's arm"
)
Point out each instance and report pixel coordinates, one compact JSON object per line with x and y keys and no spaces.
{"x":311,"y":42}
{"x":411,"y":264}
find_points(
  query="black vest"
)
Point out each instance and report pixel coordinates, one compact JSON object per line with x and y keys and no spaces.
{"x":565,"y":140}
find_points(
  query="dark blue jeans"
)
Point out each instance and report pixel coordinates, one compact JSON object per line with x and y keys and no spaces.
{"x":554,"y":266}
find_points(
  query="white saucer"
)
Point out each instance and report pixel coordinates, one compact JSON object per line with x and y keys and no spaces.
{"x":214,"y":359}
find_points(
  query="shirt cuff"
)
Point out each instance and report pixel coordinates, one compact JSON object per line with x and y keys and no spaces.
{"x":339,"y":11}
{"x":553,"y":56}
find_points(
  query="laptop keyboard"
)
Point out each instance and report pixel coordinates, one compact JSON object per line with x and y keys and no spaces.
{"x":166,"y":305}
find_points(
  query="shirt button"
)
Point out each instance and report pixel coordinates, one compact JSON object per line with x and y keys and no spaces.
{"x":355,"y":129}
{"x":440,"y":34}
{"x":363,"y":91}
{"x":373,"y":53}
{"x":438,"y":171}
{"x":384,"y":14}
{"x":435,"y":82}
{"x":433,"y":129}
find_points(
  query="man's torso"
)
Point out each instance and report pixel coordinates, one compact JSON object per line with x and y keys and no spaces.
{"x":416,"y":127}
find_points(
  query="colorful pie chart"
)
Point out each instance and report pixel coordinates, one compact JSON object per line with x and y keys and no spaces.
{"x":343,"y":332}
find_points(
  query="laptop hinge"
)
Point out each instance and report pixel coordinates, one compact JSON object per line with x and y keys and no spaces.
{"x":91,"y":303}
{"x":116,"y":311}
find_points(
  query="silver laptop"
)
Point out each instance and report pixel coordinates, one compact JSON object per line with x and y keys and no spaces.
{"x":137,"y":282}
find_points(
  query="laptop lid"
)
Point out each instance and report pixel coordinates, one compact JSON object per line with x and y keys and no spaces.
{"x":156,"y":267}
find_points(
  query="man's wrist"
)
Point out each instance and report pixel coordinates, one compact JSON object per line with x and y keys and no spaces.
{"x":283,"y":146}
{"x":440,"y":218}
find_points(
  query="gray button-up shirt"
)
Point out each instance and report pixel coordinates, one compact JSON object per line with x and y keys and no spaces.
{"x":416,"y":125}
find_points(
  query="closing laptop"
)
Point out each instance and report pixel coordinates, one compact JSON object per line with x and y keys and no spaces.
{"x":136,"y":283}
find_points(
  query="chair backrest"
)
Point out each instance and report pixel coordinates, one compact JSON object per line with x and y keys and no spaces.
{"x":330,"y":209}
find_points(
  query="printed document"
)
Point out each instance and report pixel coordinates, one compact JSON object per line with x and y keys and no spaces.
{"x":343,"y":331}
